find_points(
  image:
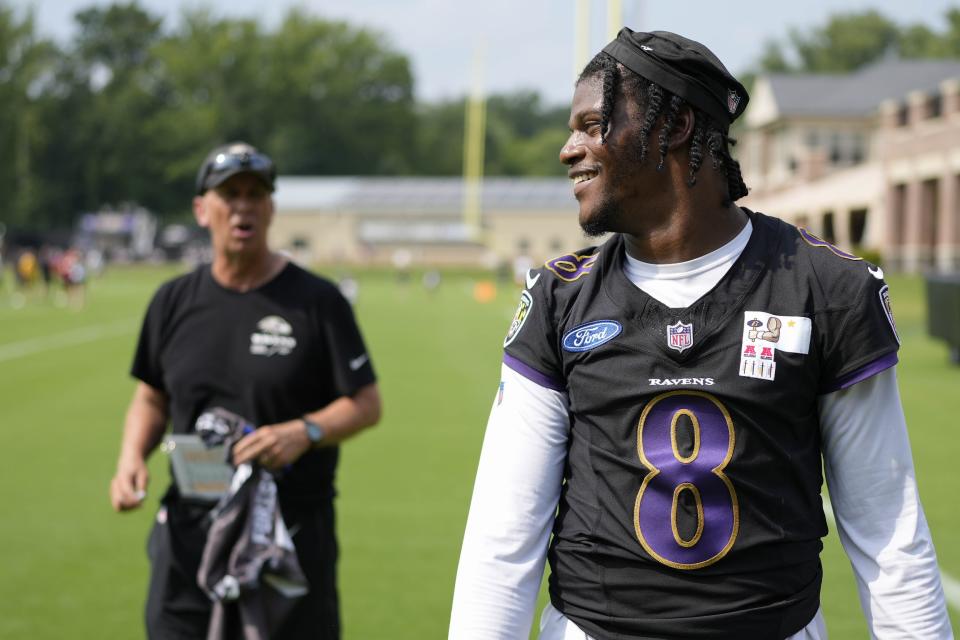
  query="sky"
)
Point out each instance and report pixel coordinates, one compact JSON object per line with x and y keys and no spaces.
{"x":525,"y":44}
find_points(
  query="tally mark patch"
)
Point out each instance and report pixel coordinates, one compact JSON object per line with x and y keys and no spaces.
{"x":763,"y":334}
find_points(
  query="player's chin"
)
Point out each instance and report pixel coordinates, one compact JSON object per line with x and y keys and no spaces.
{"x":586,"y":215}
{"x":595,"y":222}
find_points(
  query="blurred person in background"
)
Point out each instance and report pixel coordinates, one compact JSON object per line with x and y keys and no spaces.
{"x":72,"y":270}
{"x":26,"y":271}
{"x":668,"y":399}
{"x":48,"y":260}
{"x":257,"y":335}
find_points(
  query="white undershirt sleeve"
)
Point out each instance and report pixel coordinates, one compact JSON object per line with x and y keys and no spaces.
{"x":512,"y":512}
{"x":870,"y":474}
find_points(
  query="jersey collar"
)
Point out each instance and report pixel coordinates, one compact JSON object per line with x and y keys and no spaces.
{"x":710,"y":312}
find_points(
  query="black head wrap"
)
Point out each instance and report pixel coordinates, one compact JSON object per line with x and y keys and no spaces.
{"x":683,"y":67}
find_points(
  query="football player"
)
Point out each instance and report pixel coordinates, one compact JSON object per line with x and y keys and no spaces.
{"x":669,"y":398}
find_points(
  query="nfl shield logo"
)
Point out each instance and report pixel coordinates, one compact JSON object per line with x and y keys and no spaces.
{"x":733,"y":101}
{"x":680,"y":336}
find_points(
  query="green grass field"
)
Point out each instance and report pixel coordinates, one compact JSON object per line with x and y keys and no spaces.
{"x":72,"y":568}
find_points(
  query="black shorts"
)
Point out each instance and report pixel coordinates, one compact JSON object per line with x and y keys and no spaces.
{"x":177,"y":609}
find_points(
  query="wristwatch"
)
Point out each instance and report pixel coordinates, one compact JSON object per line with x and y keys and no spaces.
{"x":314,"y":431}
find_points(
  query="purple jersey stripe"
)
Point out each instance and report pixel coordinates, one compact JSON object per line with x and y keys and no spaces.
{"x":846,"y":381}
{"x":532,"y":374}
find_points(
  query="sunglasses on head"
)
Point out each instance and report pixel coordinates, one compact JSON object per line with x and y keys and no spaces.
{"x":246,"y":159}
{"x":236,"y":159}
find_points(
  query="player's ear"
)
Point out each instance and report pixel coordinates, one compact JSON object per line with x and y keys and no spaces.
{"x":682,"y":128}
{"x":200,"y":211}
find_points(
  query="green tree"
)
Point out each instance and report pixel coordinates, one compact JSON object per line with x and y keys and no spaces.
{"x":126,"y":110}
{"x":110,"y":89}
{"x":322,"y":97}
{"x":438,"y":146}
{"x":344,"y":99}
{"x":523,"y":136}
{"x":215,"y":88}
{"x":848,"y":41}
{"x":26,"y":62}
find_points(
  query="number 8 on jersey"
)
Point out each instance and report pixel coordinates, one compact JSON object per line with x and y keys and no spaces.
{"x":696,"y":472}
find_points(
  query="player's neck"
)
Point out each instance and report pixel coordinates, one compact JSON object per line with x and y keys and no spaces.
{"x":244,"y":272}
{"x":690,"y":232}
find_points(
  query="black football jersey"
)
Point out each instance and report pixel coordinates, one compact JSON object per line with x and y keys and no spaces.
{"x":691,"y":501}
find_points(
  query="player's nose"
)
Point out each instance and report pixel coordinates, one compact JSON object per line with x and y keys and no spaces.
{"x":572,"y":150}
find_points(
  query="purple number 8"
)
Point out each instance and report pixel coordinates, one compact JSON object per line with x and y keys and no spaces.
{"x":700,"y":473}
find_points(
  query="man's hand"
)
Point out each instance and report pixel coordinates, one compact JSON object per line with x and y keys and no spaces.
{"x":273,"y":446}
{"x":142,"y":431}
{"x":128,"y":487}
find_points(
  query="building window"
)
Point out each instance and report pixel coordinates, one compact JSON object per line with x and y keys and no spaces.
{"x":903,"y":116}
{"x":828,"y":231}
{"x":523,"y":246}
{"x":556,"y":245}
{"x":899,"y":227}
{"x":859,"y":148}
{"x":300,"y":242}
{"x":858,"y":225}
{"x":929,"y":219}
{"x":836,"y":148}
{"x":935,"y":106}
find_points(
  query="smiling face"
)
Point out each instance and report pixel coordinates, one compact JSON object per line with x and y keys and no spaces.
{"x":609,"y":179}
{"x":238,"y":213}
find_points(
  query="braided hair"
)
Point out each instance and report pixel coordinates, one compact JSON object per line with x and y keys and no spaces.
{"x":658,"y":102}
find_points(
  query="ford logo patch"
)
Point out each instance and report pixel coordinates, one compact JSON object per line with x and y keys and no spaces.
{"x":591,"y":335}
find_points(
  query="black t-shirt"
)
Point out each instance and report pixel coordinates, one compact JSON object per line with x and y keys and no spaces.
{"x":272,"y":354}
{"x":691,"y":501}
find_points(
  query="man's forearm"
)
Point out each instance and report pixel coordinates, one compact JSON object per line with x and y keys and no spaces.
{"x":145,"y":422}
{"x":348,"y":415}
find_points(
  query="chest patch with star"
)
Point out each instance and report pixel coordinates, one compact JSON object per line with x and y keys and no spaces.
{"x":763,"y":334}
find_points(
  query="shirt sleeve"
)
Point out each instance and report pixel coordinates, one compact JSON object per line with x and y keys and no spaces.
{"x":870,"y":474}
{"x":146,"y":365}
{"x":530,"y":347}
{"x":350,"y":360}
{"x":862,"y":340}
{"x":512,"y":512}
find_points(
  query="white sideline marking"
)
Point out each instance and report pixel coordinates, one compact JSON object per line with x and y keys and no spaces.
{"x":951,"y":589}
{"x":951,"y":586}
{"x":14,"y":350}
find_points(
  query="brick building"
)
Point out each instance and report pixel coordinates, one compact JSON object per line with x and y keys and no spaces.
{"x":868,"y":160}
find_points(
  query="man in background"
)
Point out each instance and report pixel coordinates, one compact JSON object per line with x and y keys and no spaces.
{"x":259,"y":336}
